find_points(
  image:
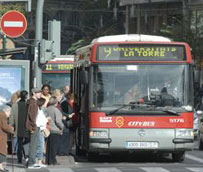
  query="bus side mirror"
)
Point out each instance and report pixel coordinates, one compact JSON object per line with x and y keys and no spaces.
{"x":199,"y":112}
{"x":83,"y":76}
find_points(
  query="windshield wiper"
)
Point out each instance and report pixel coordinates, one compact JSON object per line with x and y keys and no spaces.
{"x":131,"y":104}
{"x":121,"y":107}
{"x":172,"y":112}
{"x":116,"y":110}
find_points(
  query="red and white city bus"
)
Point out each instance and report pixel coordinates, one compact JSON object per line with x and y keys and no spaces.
{"x":57,"y":72}
{"x":134,"y":93}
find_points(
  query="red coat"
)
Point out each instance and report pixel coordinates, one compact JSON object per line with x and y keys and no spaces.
{"x":4,"y":130}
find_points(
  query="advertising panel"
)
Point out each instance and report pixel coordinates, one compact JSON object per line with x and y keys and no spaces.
{"x":10,"y":82}
{"x":14,"y":76}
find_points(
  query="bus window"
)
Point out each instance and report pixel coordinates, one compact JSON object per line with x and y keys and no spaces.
{"x":56,"y":80}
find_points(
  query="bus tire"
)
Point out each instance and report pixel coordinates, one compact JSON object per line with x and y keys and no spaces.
{"x":200,"y":144}
{"x":178,"y":156}
{"x":92,"y":156}
{"x":80,"y":152}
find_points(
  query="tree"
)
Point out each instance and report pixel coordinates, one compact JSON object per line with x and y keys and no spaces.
{"x":98,"y":19}
{"x":75,"y":46}
{"x":4,"y":7}
{"x":187,"y":31}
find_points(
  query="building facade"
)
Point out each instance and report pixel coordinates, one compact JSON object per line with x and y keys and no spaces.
{"x":147,"y":16}
{"x":65,"y":11}
{"x":79,"y":18}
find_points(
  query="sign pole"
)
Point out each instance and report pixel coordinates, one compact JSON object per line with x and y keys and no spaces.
{"x":38,"y":38}
{"x":4,"y":45}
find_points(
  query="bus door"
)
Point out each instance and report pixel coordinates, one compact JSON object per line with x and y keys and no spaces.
{"x":82,"y":93}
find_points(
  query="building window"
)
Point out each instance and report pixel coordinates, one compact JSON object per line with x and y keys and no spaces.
{"x":46,"y":18}
{"x":74,"y":19}
{"x":60,"y":15}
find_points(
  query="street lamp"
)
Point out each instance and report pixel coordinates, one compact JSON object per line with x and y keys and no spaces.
{"x":150,"y":15}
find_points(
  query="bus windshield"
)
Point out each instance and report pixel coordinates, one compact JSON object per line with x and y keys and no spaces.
{"x":56,"y":80}
{"x":159,"y":85}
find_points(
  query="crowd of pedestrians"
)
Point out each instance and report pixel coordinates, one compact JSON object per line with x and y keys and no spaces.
{"x":41,"y":125}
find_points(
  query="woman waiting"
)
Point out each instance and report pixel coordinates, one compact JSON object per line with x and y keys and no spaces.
{"x":18,"y":120}
{"x":4,"y":130}
{"x":41,"y":122}
{"x":15,"y":97}
{"x":70,"y":118}
{"x":59,"y":95}
{"x":63,"y":148}
{"x":46,"y":89}
{"x":56,"y":130}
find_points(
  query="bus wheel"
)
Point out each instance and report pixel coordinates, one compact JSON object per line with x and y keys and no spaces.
{"x":79,"y":151}
{"x":92,"y":156}
{"x":178,"y":156}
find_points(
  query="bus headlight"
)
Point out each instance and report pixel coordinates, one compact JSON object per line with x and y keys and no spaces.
{"x":98,"y":133}
{"x":184,"y":133}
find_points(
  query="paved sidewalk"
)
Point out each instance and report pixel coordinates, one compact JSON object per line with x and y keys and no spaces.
{"x":66,"y":162}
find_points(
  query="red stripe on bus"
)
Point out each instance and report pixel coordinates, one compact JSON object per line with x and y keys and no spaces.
{"x":100,"y":120}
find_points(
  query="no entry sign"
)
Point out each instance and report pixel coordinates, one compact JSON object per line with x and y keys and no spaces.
{"x":13,"y":24}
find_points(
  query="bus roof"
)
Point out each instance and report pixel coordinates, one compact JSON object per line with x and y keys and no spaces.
{"x":64,"y":58}
{"x":131,"y":38}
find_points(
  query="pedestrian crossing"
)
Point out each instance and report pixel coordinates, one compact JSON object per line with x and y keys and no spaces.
{"x":194,"y":158}
{"x":134,"y":169}
{"x":150,"y":169}
{"x":191,"y":164}
{"x":196,"y":169}
{"x":113,"y":169}
{"x":107,"y":169}
{"x":121,"y":168}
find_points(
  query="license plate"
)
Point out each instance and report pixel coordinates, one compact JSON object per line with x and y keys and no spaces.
{"x":141,"y":144}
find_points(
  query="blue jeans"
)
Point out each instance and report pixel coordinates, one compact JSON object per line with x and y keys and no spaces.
{"x":15,"y":145}
{"x":40,"y":147}
{"x":34,"y":137}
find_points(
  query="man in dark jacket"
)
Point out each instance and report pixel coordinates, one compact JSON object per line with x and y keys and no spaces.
{"x":32,"y":109}
{"x":18,"y":120}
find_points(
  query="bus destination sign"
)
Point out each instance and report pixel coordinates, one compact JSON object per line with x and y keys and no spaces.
{"x":57,"y":67}
{"x":129,"y":52}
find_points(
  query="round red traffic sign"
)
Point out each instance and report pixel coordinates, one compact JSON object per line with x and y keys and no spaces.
{"x":13,"y":24}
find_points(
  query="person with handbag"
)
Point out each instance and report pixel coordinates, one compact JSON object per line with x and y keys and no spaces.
{"x":63,"y":148}
{"x":41,"y":122}
{"x":69,"y":114}
{"x":56,"y":130}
